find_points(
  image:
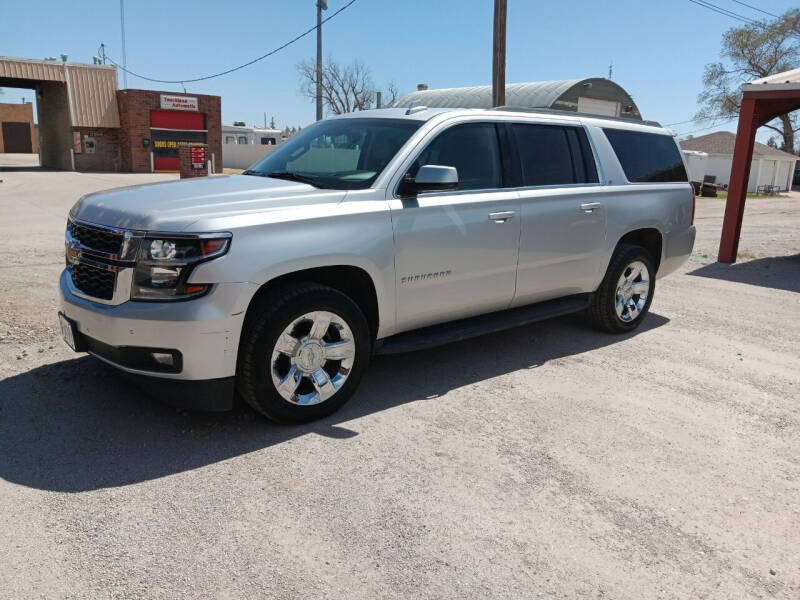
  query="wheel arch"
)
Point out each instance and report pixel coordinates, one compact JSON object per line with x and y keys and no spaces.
{"x":650,"y":238}
{"x":352,"y":280}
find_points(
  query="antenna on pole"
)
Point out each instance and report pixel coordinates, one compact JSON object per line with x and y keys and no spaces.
{"x":124,"y":55}
{"x":611,"y":69}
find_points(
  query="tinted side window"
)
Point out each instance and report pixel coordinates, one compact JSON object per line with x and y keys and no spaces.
{"x":473,"y":149}
{"x":647,"y":157}
{"x":553,"y":155}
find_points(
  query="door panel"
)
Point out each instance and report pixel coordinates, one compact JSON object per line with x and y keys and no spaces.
{"x":17,"y":137}
{"x":451,"y":259}
{"x":562,"y":246}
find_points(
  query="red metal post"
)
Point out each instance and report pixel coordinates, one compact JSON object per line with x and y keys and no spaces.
{"x":740,"y":175}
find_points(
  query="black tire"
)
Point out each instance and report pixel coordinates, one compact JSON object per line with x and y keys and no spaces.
{"x":602,"y":313}
{"x":266,"y":321}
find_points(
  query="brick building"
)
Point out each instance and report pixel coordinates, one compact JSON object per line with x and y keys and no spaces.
{"x":17,"y":131}
{"x":86,"y":123}
{"x":154,"y":124}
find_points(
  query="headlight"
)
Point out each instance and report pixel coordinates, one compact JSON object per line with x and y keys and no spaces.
{"x":163,"y":265}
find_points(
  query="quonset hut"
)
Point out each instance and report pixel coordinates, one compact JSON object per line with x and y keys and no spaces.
{"x":595,"y":95}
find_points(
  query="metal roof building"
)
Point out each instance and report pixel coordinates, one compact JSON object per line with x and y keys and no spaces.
{"x":594,"y":95}
{"x":69,"y":96}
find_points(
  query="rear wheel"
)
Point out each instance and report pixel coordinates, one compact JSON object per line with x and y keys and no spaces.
{"x":303,"y":353}
{"x":623,"y":298}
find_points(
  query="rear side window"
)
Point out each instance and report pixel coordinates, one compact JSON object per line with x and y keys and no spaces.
{"x":553,"y":155}
{"x":647,"y":157}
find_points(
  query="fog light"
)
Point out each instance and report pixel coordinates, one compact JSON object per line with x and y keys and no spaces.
{"x":163,"y":358}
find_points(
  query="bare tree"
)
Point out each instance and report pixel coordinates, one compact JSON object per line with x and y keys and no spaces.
{"x":752,"y":52}
{"x":345,"y":88}
{"x":392,"y":93}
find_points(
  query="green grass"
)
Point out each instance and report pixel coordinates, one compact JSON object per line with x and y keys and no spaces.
{"x":723,"y":194}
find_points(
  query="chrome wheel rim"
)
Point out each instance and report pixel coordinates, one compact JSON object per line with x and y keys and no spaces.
{"x":633,"y":288}
{"x":312,"y":358}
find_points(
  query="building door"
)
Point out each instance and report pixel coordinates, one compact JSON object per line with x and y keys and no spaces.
{"x":17,"y":137}
{"x":170,"y":129}
{"x":591,"y":106}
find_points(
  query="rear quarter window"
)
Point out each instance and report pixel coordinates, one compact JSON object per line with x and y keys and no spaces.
{"x":647,"y":157}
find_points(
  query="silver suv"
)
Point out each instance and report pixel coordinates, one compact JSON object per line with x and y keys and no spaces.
{"x":377,"y":232}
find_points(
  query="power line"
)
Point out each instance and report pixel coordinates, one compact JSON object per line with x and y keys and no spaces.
{"x":729,"y":13}
{"x":724,"y":11}
{"x":709,"y":127}
{"x":756,"y":8}
{"x":680,"y":122}
{"x":247,"y":64}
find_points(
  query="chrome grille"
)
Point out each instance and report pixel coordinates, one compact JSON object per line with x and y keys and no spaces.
{"x":101,"y":240}
{"x":98,"y":261}
{"x":93,"y":281}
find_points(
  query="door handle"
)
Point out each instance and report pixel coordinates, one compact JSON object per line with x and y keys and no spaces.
{"x":501,"y":217}
{"x":590,"y":206}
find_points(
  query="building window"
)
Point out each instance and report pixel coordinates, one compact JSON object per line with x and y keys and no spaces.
{"x":242,"y":139}
{"x":229,"y":139}
{"x":267,"y":141}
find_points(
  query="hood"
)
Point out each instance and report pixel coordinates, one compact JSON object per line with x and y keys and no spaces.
{"x":176,"y":205}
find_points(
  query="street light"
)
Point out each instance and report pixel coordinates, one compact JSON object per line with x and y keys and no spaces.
{"x":321,"y":5}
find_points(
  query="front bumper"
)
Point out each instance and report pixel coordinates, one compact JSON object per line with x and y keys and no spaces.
{"x":204,"y":332}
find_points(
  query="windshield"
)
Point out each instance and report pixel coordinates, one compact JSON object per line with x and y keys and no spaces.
{"x":345,"y":154}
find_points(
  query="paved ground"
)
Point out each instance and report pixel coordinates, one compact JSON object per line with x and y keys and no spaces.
{"x":551,"y":461}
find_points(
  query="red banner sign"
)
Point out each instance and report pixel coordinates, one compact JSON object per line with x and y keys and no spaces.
{"x":198,"y":155}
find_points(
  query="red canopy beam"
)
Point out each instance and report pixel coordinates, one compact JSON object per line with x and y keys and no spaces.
{"x":737,"y":187}
{"x":759,"y":106}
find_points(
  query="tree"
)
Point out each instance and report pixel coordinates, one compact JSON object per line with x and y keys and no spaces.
{"x":392,"y":93}
{"x":345,"y":88}
{"x":751,"y":52}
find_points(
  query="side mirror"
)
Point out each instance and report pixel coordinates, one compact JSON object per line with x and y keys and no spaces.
{"x":431,"y":178}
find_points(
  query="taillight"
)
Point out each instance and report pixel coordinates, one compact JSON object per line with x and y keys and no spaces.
{"x":694,"y":201}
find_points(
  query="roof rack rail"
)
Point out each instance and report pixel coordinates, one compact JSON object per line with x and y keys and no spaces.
{"x":569,"y":113}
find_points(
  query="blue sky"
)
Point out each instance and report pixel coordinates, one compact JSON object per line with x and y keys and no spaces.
{"x":658,"y":47}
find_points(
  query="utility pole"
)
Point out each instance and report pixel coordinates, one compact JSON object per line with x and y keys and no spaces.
{"x":124,"y":55}
{"x":321,"y":5}
{"x":499,"y":54}
{"x":611,"y":69}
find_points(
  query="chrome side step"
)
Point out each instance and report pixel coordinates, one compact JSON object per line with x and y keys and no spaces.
{"x":455,"y":331}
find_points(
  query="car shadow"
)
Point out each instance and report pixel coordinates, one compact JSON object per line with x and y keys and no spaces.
{"x":777,"y":272}
{"x":78,"y":425}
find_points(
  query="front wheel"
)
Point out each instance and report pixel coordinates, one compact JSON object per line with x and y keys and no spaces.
{"x":303,"y":352}
{"x":623,"y":298}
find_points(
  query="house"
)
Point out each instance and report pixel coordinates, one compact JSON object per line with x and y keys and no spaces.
{"x":770,"y":166}
{"x":239,"y":133}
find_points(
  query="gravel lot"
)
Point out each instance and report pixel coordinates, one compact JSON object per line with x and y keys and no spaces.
{"x":549,"y":461}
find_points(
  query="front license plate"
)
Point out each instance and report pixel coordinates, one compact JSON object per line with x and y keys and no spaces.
{"x":68,"y":331}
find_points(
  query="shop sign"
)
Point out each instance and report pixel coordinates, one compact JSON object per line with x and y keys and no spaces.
{"x":198,"y":155}
{"x":171,"y":102}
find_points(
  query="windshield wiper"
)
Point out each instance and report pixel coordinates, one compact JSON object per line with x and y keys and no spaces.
{"x":290,"y":177}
